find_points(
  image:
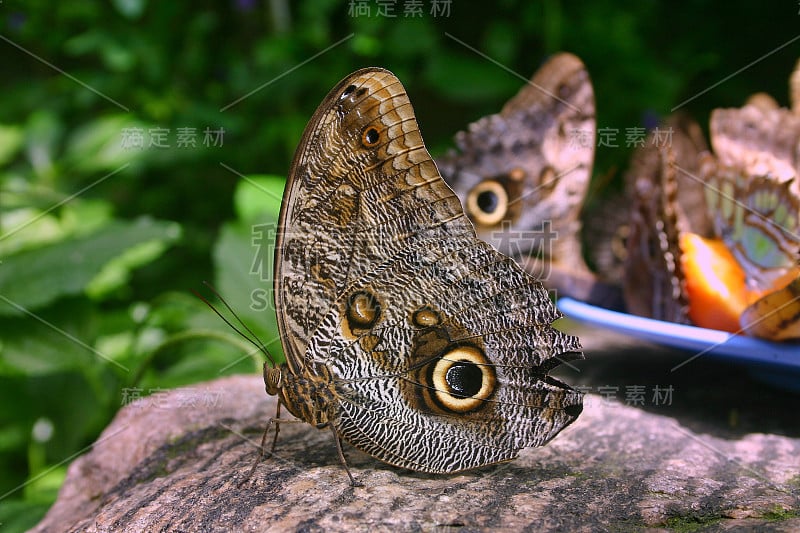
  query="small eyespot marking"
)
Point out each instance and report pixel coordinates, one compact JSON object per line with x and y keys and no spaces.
{"x":370,"y":137}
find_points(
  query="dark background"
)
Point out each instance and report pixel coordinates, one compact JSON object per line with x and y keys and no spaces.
{"x":100,"y":242}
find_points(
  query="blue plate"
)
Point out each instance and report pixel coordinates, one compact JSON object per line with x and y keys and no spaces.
{"x":776,"y":362}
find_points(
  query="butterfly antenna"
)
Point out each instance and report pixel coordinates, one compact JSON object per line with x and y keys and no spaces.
{"x":252,"y":339}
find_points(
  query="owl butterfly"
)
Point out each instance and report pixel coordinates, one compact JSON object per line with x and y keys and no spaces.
{"x":758,"y":218}
{"x":664,"y":199}
{"x":404,"y":334}
{"x":523,"y":173}
{"x":754,"y":196}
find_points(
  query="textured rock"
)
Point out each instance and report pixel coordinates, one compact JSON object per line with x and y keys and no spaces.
{"x":720,"y":452}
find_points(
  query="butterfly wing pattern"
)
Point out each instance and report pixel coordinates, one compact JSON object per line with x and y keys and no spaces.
{"x":522,"y":174}
{"x":653,"y":284}
{"x":753,"y":193}
{"x":418,"y":343}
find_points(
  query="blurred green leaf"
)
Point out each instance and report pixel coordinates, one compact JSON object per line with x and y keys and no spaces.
{"x":12,"y":437}
{"x":106,"y":144}
{"x":85,"y":216}
{"x":18,"y":516}
{"x":44,"y":488}
{"x":34,"y":278}
{"x":486,"y":80}
{"x":55,"y":342}
{"x":131,"y":9}
{"x":259,"y":195}
{"x":27,"y":228}
{"x":243,"y":258}
{"x":117,"y":272}
{"x":11,"y":139}
{"x":42,"y":138}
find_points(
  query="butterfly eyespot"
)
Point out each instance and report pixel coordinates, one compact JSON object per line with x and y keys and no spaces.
{"x":462,"y":379}
{"x":363,"y":310}
{"x":487,"y":203}
{"x":425,"y":317}
{"x":517,"y":174}
{"x":370,"y":137}
{"x":548,"y":179}
{"x":348,"y":90}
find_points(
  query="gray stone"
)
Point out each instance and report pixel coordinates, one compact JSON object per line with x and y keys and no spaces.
{"x":720,"y":453}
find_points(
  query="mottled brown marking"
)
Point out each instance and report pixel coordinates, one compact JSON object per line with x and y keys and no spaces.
{"x":369,"y":342}
{"x":363,"y":310}
{"x":426,"y":317}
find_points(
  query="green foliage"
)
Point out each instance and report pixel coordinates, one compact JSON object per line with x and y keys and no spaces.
{"x":126,"y":128}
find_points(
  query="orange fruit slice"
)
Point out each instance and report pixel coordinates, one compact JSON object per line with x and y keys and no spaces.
{"x":715,"y":283}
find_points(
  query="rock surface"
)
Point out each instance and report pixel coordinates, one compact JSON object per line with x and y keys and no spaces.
{"x":701,"y":447}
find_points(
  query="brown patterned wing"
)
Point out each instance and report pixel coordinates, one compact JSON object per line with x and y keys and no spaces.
{"x":759,"y":141}
{"x":356,"y":193}
{"x":653,"y":284}
{"x":775,"y":316}
{"x":438,"y":346}
{"x":522,"y":174}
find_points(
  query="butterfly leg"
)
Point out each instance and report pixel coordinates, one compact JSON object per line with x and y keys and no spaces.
{"x":338,"y":440}
{"x":277,"y":421}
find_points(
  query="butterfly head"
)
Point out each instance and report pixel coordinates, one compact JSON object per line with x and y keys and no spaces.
{"x":273,"y":379}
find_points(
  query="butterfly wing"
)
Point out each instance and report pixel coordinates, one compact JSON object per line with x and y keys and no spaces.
{"x":759,"y":141}
{"x":753,"y":196}
{"x":643,"y":212}
{"x":438,"y":346}
{"x":522,"y":174}
{"x":653,"y":284}
{"x":758,"y":218}
{"x":775,"y":316}
{"x":336,"y":213}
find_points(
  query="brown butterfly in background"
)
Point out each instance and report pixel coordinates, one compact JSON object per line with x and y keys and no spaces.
{"x":665,"y":198}
{"x":753,"y":194}
{"x":744,"y":195}
{"x":523,"y":174}
{"x":404,"y":333}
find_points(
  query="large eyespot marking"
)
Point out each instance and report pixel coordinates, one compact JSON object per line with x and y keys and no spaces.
{"x":363,"y":310}
{"x":487,"y":203}
{"x":426,"y":317}
{"x":370,"y":137}
{"x":347,"y":91}
{"x":462,"y":379}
